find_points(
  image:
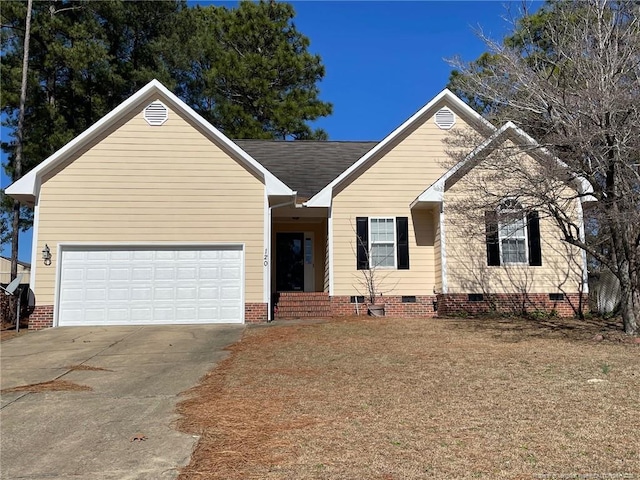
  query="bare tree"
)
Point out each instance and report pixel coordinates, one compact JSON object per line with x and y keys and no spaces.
{"x":578,"y":93}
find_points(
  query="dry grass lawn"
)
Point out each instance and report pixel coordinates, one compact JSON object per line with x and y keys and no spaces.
{"x":413,"y":399}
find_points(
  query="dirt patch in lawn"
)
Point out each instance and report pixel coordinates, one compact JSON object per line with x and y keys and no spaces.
{"x":403,"y":398}
{"x":50,"y":386}
{"x":88,"y":368}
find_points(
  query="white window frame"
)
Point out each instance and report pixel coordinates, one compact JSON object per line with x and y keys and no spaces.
{"x":502,"y":237}
{"x":394,"y":245}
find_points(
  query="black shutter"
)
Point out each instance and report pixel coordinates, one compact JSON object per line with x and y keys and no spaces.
{"x":362,"y":242}
{"x":533,"y":231}
{"x":493,"y":247}
{"x":402,"y":238}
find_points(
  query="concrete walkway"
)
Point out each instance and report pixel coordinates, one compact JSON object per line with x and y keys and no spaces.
{"x":88,"y":434}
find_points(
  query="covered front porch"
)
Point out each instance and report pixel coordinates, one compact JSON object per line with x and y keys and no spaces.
{"x":299,"y":268}
{"x":299,"y":250}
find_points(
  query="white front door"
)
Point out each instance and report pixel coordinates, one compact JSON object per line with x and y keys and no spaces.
{"x":125,"y":285}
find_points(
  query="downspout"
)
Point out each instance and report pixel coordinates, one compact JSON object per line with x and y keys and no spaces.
{"x":270,"y":215}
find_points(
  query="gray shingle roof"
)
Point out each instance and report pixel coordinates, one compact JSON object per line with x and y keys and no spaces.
{"x":305,"y":166}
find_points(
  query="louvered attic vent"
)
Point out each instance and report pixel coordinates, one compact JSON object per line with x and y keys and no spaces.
{"x":156,"y":113}
{"x":445,"y":118}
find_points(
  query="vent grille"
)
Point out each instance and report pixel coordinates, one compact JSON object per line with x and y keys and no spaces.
{"x":156,"y":113}
{"x":445,"y":118}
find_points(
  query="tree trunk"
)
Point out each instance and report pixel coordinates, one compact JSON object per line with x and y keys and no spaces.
{"x":629,"y":303}
{"x":17,"y":173}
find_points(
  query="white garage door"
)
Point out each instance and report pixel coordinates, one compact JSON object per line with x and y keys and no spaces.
{"x":150,"y":285}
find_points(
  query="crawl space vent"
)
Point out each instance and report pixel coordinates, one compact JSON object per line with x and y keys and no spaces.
{"x":156,"y":113}
{"x":445,"y":118}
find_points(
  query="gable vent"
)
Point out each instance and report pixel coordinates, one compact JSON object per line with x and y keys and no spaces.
{"x":156,"y":113}
{"x":445,"y":118}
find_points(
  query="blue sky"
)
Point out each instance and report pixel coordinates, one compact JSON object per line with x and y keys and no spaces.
{"x":383,"y":60}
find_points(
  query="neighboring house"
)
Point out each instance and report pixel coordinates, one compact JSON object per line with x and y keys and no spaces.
{"x":5,"y":271}
{"x":153,"y":216}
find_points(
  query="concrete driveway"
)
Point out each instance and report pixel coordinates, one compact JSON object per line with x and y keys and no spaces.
{"x":88,"y":434}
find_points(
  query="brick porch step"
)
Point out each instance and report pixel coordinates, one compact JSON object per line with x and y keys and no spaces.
{"x":303,"y":305}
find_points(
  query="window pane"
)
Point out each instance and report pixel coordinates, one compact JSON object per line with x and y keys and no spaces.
{"x":382,"y":255}
{"x":514,"y":250}
{"x":514,"y":228}
{"x":382,"y":229}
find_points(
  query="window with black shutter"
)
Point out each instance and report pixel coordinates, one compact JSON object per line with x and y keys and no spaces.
{"x":535,"y":249}
{"x":382,"y":242}
{"x":402,"y":246}
{"x":512,"y":238}
{"x":493,"y":245}
{"x":362,"y":242}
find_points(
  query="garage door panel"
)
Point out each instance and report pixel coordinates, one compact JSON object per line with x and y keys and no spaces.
{"x":165,"y":255}
{"x":142,"y":274}
{"x":187,"y":273}
{"x":164,"y":273}
{"x":229,"y":293}
{"x":73,"y":295}
{"x":118,"y":294}
{"x":74,"y":274}
{"x":143,"y":255}
{"x":91,"y":295}
{"x":163,"y":293}
{"x":96,"y":274}
{"x":141,"y":315}
{"x":141,"y":293}
{"x":91,"y":315}
{"x":111,"y":285}
{"x":228,"y":313}
{"x":186,"y":293}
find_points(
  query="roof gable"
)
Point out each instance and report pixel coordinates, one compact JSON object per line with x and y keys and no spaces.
{"x":509,"y":131}
{"x":26,"y":188}
{"x":324,"y":197}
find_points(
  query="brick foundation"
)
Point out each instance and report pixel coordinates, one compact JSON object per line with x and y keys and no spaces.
{"x":41,"y":317}
{"x":393,"y":306}
{"x":460,"y":303}
{"x":255,"y":312}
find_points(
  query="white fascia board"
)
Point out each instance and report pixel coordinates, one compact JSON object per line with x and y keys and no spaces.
{"x":276,"y":187}
{"x":319,"y":199}
{"x":23,"y":187}
{"x":433,"y":194}
{"x":27,"y":185}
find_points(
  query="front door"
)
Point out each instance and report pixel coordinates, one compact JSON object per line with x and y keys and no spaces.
{"x":289,"y":262}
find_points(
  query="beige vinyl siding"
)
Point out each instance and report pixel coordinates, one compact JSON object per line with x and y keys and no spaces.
{"x":467,"y":270}
{"x":387,"y":189}
{"x":153,"y":184}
